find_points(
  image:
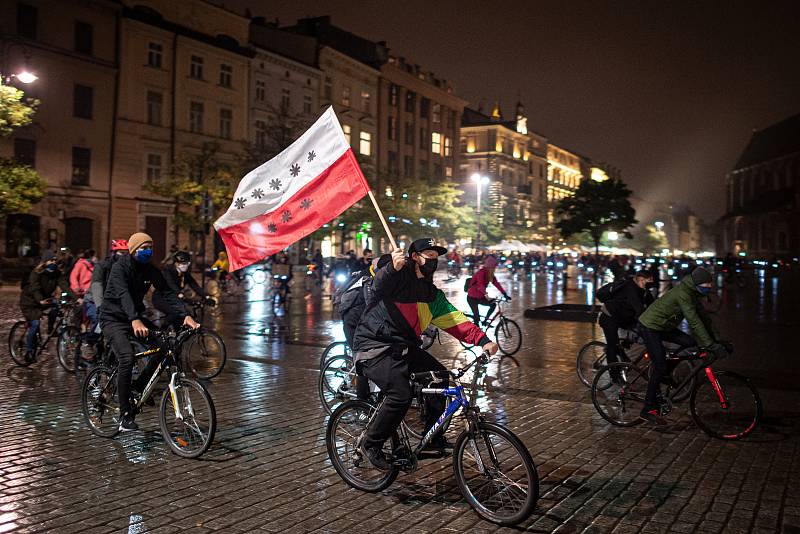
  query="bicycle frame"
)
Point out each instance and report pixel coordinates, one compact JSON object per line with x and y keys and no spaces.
{"x":459,"y":401}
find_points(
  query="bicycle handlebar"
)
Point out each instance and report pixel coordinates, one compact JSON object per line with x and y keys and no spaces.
{"x":455,"y":373}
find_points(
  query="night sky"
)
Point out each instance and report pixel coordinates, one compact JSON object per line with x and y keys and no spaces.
{"x":667,"y":91}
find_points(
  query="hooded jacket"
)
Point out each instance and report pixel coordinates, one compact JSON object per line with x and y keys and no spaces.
{"x":679,"y":303}
{"x":41,"y":285}
{"x":81,"y":276}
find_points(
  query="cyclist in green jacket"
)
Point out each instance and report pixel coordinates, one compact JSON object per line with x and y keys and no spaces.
{"x":659,"y":323}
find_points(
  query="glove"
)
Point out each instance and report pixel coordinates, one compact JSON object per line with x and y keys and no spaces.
{"x":719,"y":350}
{"x":505,"y":296}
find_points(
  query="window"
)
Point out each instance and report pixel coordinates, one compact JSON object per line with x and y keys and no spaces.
{"x":225,"y":120}
{"x":365,"y":146}
{"x":82,"y":101}
{"x":393,"y":95}
{"x":448,"y":172}
{"x":410,"y":133}
{"x":411,"y":101}
{"x":392,"y":163}
{"x":154,"y":105}
{"x":196,"y":68}
{"x":83,"y":38}
{"x":81,"y":163}
{"x":261,"y":90}
{"x":307,"y":104}
{"x":261,"y":134}
{"x":423,"y":138}
{"x":196,"y":117}
{"x":25,"y":152}
{"x":153,"y":168}
{"x":437,"y":170}
{"x":286,"y":98}
{"x":328,"y":89}
{"x":225,"y":75}
{"x":425,"y":108}
{"x":154,"y":54}
{"x":27,"y":20}
{"x":346,"y":130}
{"x":392,"y":128}
{"x":423,"y":167}
{"x":346,"y":96}
{"x":437,"y":113}
{"x":436,"y":143}
{"x":408,"y":166}
{"x":448,"y":146}
{"x":365,"y":101}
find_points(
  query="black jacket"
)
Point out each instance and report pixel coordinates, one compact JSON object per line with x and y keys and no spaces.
{"x":41,"y":286}
{"x":178,"y":281}
{"x":628,"y":303}
{"x":128,"y":283}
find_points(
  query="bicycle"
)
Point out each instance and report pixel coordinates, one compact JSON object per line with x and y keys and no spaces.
{"x":337,"y":348}
{"x":191,"y":432}
{"x":618,"y":394}
{"x":64,"y":328}
{"x":493,"y":469}
{"x":507,"y":333}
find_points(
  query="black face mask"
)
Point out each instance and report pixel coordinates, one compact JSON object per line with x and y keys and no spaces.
{"x":429,"y":267}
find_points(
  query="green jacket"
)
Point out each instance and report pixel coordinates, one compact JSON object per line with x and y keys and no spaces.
{"x":679,"y":303}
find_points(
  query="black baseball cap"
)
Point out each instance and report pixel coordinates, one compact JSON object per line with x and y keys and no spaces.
{"x":426,"y":243}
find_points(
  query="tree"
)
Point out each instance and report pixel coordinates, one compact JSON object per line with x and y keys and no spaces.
{"x":15,"y":110}
{"x":596,"y":208}
{"x":650,"y":241}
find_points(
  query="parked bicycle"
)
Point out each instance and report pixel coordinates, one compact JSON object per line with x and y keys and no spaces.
{"x":493,"y":469}
{"x":725,"y":405}
{"x":186,"y":414}
{"x":64,"y":328}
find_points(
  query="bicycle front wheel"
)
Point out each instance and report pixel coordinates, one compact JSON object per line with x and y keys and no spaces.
{"x":591,"y":357}
{"x":69,"y":340}
{"x":187,"y":419}
{"x":618,"y":393}
{"x":337,"y":348}
{"x":16,"y":343}
{"x":496,"y":474}
{"x":99,"y":402}
{"x":337,"y":383}
{"x":726,"y":406}
{"x":205,"y":354}
{"x":509,"y":336}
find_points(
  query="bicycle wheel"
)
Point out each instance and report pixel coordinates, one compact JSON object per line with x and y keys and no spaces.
{"x":205,"y":354}
{"x":508,"y":335}
{"x":618,"y":393}
{"x":337,"y":382}
{"x":188,"y":420}
{"x":681,"y":371}
{"x":16,"y":343}
{"x":337,"y":348}
{"x":496,"y":474}
{"x":343,"y":436}
{"x":729,"y":408}
{"x":259,"y":276}
{"x":99,"y":402}
{"x":69,"y":340}
{"x":591,"y":357}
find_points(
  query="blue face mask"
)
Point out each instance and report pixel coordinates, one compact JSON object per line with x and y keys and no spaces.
{"x":704,"y":290}
{"x":51,"y":267}
{"x":143,"y":255}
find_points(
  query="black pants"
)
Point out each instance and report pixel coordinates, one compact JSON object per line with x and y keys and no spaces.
{"x":390,"y":372}
{"x":654,"y":340}
{"x":611,"y":328}
{"x":473,"y":305}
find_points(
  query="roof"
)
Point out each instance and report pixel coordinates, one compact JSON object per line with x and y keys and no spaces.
{"x":780,"y":139}
{"x":471,"y":117}
{"x":363,"y":50}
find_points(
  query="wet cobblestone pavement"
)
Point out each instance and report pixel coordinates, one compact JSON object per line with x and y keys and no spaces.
{"x":268,"y":469}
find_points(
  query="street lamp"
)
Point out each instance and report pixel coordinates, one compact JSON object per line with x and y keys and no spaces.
{"x":480,"y":181}
{"x":26,"y":76}
{"x":613,"y":236}
{"x":659,"y":225}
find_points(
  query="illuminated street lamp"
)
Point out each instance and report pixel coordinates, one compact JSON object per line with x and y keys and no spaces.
{"x":659,"y":225}
{"x":480,"y":181}
{"x":613,"y":236}
{"x":26,"y":76}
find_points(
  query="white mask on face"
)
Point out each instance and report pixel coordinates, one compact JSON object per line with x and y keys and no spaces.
{"x":182,"y":267}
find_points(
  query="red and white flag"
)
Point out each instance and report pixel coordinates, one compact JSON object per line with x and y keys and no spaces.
{"x":307,"y":185}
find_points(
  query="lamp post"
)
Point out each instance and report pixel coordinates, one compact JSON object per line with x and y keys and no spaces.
{"x":480,"y":181}
{"x":25,"y":75}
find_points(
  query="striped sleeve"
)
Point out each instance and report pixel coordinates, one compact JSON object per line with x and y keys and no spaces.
{"x":446,"y":317}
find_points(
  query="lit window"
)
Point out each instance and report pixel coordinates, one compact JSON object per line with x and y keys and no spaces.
{"x":154,"y":51}
{"x":448,"y":171}
{"x":448,"y":146}
{"x":153,"y":169}
{"x":196,"y":68}
{"x":346,"y":129}
{"x":365,"y":145}
{"x":346,"y":96}
{"x":436,"y":143}
{"x":225,"y":75}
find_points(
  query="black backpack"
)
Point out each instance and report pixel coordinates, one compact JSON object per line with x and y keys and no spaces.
{"x":351,"y":294}
{"x":467,"y":283}
{"x":606,"y":292}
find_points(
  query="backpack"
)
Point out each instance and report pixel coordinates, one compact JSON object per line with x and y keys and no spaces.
{"x":351,"y":295}
{"x":467,"y":283}
{"x":606,"y":292}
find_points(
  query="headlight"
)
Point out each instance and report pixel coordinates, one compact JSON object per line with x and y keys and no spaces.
{"x":341,"y":278}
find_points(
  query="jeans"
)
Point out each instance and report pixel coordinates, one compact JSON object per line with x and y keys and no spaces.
{"x":91,"y":313}
{"x":30,"y":339}
{"x":390,"y":372}
{"x":473,"y":305}
{"x":654,"y":340}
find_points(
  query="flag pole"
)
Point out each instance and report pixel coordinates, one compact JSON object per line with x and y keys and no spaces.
{"x":383,"y":221}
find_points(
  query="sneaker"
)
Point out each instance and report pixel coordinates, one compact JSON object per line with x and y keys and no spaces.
{"x":375,"y":457}
{"x":127,"y":424}
{"x":652,"y":416}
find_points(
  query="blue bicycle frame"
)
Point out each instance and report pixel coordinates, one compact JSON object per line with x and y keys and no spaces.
{"x":459,"y":401}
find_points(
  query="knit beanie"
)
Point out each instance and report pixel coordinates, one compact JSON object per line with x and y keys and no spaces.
{"x":701,"y":276}
{"x":137,"y":240}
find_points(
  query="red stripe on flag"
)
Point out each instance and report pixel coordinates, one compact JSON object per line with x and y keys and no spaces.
{"x":321,"y":200}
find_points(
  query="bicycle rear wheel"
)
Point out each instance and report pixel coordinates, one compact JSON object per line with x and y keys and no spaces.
{"x":591,"y":357}
{"x":99,"y":402}
{"x":205,"y":354}
{"x":337,"y":383}
{"x":496,"y":474}
{"x":727,"y":408}
{"x":337,"y":348}
{"x":618,"y":393}
{"x":189,"y":429}
{"x":16,"y":343}
{"x":509,"y":336}
{"x":69,"y":340}
{"x":343,"y":436}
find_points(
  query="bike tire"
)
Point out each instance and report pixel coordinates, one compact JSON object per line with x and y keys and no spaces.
{"x":97,"y":401}
{"x":336,"y":383}
{"x":332,"y":350}
{"x":480,"y":436}
{"x":355,"y":415}
{"x":722,"y":423}
{"x":509,"y":336}
{"x":619,"y":403}
{"x":591,"y":357}
{"x":178,"y":436}
{"x":69,"y":339}
{"x":259,"y":276}
{"x":16,"y":343}
{"x":205,"y":354}
{"x":679,"y":373}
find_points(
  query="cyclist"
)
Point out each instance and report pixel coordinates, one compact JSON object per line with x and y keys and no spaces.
{"x":178,"y":278}
{"x":387,"y":340}
{"x":659,"y":323}
{"x":37,"y":295}
{"x":476,"y":293}
{"x":221,"y":265}
{"x":121,"y":314}
{"x":622,"y":310}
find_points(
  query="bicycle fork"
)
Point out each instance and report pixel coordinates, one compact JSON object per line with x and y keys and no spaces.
{"x":715,"y":384}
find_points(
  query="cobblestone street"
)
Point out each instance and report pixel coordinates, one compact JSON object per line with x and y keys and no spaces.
{"x":268,"y":468}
